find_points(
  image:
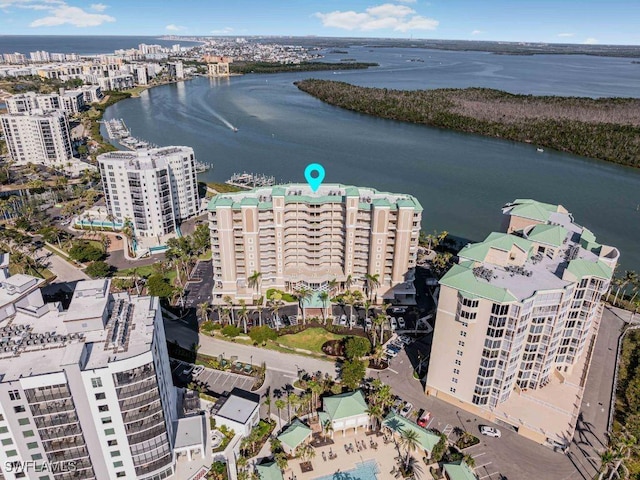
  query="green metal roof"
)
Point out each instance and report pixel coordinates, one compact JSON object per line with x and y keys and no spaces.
{"x":381,"y":202}
{"x":459,"y":471}
{"x":352,"y":192}
{"x":462,"y":278}
{"x":295,"y":434}
{"x":399,"y":424}
{"x":527,"y":208}
{"x":219,"y":201}
{"x":269,"y":471}
{"x":548,"y":234}
{"x":278,"y":191}
{"x":500,"y":241}
{"x":345,"y":405}
{"x":585,"y":268}
{"x":265,"y":205}
{"x":249,"y":201}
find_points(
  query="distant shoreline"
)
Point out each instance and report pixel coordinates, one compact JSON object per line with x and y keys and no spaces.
{"x":606,"y":128}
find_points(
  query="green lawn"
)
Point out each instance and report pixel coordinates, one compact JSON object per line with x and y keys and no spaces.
{"x":311,"y":339}
{"x":145,"y":271}
{"x":223,"y":187}
{"x":286,"y":297}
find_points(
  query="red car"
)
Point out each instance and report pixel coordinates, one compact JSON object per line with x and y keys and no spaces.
{"x":424,"y":419}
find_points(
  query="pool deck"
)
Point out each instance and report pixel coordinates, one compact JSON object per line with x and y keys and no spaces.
{"x":385,"y":457}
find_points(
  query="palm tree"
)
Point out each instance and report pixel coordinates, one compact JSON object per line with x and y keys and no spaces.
{"x":281,"y":460}
{"x":629,"y":277}
{"x":229,"y":301}
{"x":376,"y":414}
{"x":348,"y":282}
{"x":303,"y":294}
{"x":327,"y":428}
{"x":372,"y":282}
{"x":267,"y":402}
{"x":276,"y":304}
{"x":280,"y":404}
{"x":409,"y":439}
{"x":380,"y":320}
{"x":333,"y":285}
{"x":203,"y":311}
{"x":324,"y":298}
{"x":254,"y":281}
{"x":352,"y":299}
{"x":243,"y":315}
{"x":367,"y":306}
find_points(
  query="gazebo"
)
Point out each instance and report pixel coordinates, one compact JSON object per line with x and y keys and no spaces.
{"x":269,"y":471}
{"x":398,"y":424}
{"x":293,"y":436}
{"x":345,"y":411}
{"x":458,"y":471}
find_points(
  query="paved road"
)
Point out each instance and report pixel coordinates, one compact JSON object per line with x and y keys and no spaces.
{"x":63,"y":270}
{"x":200,"y":289}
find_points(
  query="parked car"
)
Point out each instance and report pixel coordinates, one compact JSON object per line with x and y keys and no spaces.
{"x":397,"y":405}
{"x":343,"y":320}
{"x":368,"y":323}
{"x":406,"y":410}
{"x":198,"y":370}
{"x":405,"y":339}
{"x":393,"y":323}
{"x":424,"y":418}
{"x":398,"y":309}
{"x":391,"y":353}
{"x":490,"y":431}
{"x":187,"y":370}
{"x":401,"y":323}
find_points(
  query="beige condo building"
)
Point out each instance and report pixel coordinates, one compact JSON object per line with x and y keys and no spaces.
{"x":516,"y":320}
{"x":294,"y":237}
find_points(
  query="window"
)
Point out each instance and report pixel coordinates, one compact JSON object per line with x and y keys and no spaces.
{"x":460,"y":343}
{"x":23,"y":421}
{"x":4,"y":429}
{"x":118,"y":464}
{"x":96,"y":382}
{"x":19,"y":409}
{"x":115,"y":453}
{"x":452,"y":389}
{"x":32,"y":445}
{"x":36,"y":456}
{"x":1,"y":417}
{"x":103,"y":408}
{"x":121,"y":474}
{"x":463,"y":333}
{"x":14,"y":394}
{"x":112,"y":443}
{"x":458,"y":362}
{"x":7,"y":441}
{"x":28,"y":433}
{"x":459,"y":353}
{"x":11,"y":453}
{"x":454,"y":380}
{"x":100,"y":396}
{"x":109,"y":431}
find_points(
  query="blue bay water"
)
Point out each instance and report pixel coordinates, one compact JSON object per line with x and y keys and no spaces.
{"x":461,"y":180}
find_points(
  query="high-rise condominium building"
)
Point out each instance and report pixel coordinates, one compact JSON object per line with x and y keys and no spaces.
{"x":175,"y":70}
{"x":515,"y":320}
{"x":85,"y":392}
{"x":154,"y":188}
{"x":294,"y":237}
{"x":30,"y":101}
{"x":38,"y":137}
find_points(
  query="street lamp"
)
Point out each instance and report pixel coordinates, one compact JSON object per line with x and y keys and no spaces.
{"x":251,"y":362}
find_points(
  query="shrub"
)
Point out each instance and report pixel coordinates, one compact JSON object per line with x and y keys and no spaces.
{"x":158,"y":286}
{"x":230,"y":331}
{"x":262,"y":334}
{"x":99,"y":269}
{"x":356,"y":347}
{"x":353,"y":372}
{"x":84,"y":251}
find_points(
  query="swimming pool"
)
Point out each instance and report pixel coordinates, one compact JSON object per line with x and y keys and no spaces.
{"x":364,"y":471}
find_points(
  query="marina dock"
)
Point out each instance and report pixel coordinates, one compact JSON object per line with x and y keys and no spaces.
{"x":250,"y":180}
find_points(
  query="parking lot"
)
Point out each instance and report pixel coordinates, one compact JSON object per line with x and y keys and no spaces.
{"x":217,"y":381}
{"x":200,"y":285}
{"x":486,"y":468}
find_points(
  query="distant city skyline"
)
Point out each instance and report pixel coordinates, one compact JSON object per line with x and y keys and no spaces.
{"x":569,"y":21}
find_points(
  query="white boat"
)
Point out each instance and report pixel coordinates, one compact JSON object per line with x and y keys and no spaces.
{"x":539,"y":149}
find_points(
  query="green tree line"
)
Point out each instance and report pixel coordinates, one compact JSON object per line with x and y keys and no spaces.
{"x":272,"y":67}
{"x":605,"y":128}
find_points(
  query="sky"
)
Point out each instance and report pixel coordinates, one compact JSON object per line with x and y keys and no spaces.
{"x":559,"y":21}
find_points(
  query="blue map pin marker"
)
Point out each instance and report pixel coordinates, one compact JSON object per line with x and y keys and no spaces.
{"x":314,"y":173}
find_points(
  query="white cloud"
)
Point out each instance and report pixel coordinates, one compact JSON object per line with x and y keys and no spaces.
{"x":63,"y":14}
{"x":566,"y":34}
{"x":222,"y":31}
{"x":477,"y":32}
{"x":174,"y":28}
{"x":98,"y":7}
{"x":30,"y":4}
{"x":590,"y":41}
{"x":390,"y":16}
{"x":407,"y":1}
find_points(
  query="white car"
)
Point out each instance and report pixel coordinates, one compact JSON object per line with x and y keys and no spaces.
{"x":401,"y":323}
{"x":399,"y":309}
{"x":406,"y":410}
{"x":393,"y":323}
{"x":391,"y":353}
{"x":368,"y":323}
{"x":490,"y":431}
{"x":343,"y":320}
{"x":198,"y":370}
